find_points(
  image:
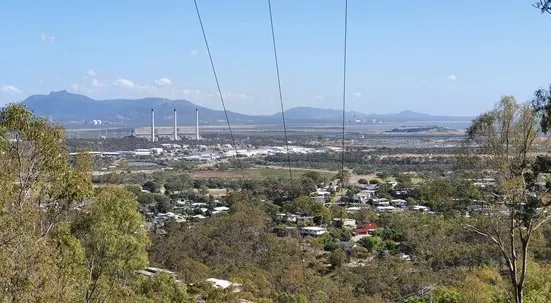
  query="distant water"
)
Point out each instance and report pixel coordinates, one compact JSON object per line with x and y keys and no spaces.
{"x":140,"y":164}
{"x":387,"y":126}
{"x":452,"y":125}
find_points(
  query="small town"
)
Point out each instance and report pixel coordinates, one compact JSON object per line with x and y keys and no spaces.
{"x":275,"y":151}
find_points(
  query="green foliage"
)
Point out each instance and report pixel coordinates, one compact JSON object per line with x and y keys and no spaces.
{"x":417,"y":300}
{"x":60,"y":241}
{"x":151,"y":186}
{"x":383,"y":175}
{"x":337,"y":257}
{"x":315,"y":176}
{"x":160,"y":288}
{"x":404,"y":180}
{"x":372,"y":244}
{"x":306,"y":205}
{"x":114,"y":239}
{"x":443,"y":295}
{"x":343,"y":176}
{"x":289,"y":298}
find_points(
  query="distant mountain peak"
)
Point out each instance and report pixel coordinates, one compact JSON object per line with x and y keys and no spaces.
{"x":62,"y":92}
{"x":408,"y":111}
{"x":67,"y":107}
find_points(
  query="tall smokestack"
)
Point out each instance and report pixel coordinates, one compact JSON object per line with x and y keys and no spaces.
{"x":197,"y":124}
{"x":175,"y":125}
{"x":152,"y":125}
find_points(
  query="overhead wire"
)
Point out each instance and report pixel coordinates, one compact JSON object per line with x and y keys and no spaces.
{"x":219,"y":90}
{"x":301,"y":243}
{"x":344,"y":93}
{"x":281,"y":97}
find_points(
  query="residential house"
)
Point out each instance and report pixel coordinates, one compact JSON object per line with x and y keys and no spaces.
{"x":363,"y":196}
{"x":220,"y":210}
{"x":399,"y":203}
{"x":380,"y":202}
{"x":346,"y":223}
{"x":152,"y":271}
{"x":402,"y":193}
{"x":385,"y":209}
{"x":374,"y":187}
{"x":312,"y":231}
{"x":420,"y":208}
{"x":223,"y":284}
{"x":366,"y":229}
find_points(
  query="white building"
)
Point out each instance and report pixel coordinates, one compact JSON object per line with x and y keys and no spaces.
{"x":156,"y":150}
{"x":399,"y":202}
{"x":223,"y":284}
{"x":420,"y":208}
{"x":312,"y":231}
{"x":380,"y":202}
{"x":363,"y":196}
{"x":385,"y":209}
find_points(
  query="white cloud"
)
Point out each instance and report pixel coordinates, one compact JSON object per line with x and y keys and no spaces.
{"x":10,"y":89}
{"x":452,"y":77}
{"x":47,"y":38}
{"x":163,"y":82}
{"x":124,"y":83}
{"x":193,"y":52}
{"x":146,"y":87}
{"x":358,"y":94}
{"x":75,"y":87}
{"x":91,"y":73}
{"x":242,"y":95}
{"x":98,"y":83}
{"x":186,"y":92}
{"x":319,"y":97}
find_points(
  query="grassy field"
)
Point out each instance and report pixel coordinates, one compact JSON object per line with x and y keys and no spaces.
{"x":257,"y":173}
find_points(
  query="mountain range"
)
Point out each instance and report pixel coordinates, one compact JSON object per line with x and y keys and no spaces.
{"x":68,"y":108}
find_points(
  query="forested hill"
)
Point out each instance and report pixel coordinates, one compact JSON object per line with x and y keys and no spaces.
{"x":65,"y":107}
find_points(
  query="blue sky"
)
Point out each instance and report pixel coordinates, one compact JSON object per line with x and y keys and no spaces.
{"x":439,"y":57}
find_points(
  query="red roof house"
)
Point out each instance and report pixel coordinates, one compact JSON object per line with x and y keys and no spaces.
{"x":366,"y":229}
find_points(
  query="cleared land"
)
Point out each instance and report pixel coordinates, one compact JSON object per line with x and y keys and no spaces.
{"x":258,"y":173}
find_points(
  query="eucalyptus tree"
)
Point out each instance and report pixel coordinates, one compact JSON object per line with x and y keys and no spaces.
{"x":59,"y":239}
{"x":543,"y":5}
{"x":508,"y":144}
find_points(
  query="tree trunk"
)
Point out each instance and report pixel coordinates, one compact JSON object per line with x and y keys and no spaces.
{"x":519,"y":294}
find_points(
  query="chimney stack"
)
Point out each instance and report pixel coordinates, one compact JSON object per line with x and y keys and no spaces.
{"x":152,"y":125}
{"x":197,"y":124}
{"x":175,"y":125}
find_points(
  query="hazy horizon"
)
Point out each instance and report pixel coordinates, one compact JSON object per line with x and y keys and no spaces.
{"x":436,"y":57}
{"x":278,"y":111}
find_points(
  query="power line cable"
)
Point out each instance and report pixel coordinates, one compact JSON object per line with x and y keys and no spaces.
{"x":281,"y":96}
{"x":301,"y":241}
{"x":344,"y":92}
{"x":219,"y":90}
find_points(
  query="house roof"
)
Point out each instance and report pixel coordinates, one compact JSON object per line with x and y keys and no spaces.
{"x":366,"y":227}
{"x":314,"y":228}
{"x":219,"y":283}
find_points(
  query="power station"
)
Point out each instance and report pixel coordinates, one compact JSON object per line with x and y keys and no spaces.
{"x":164,"y":132}
{"x":152,"y":125}
{"x":197,"y":137}
{"x":175,"y":137}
